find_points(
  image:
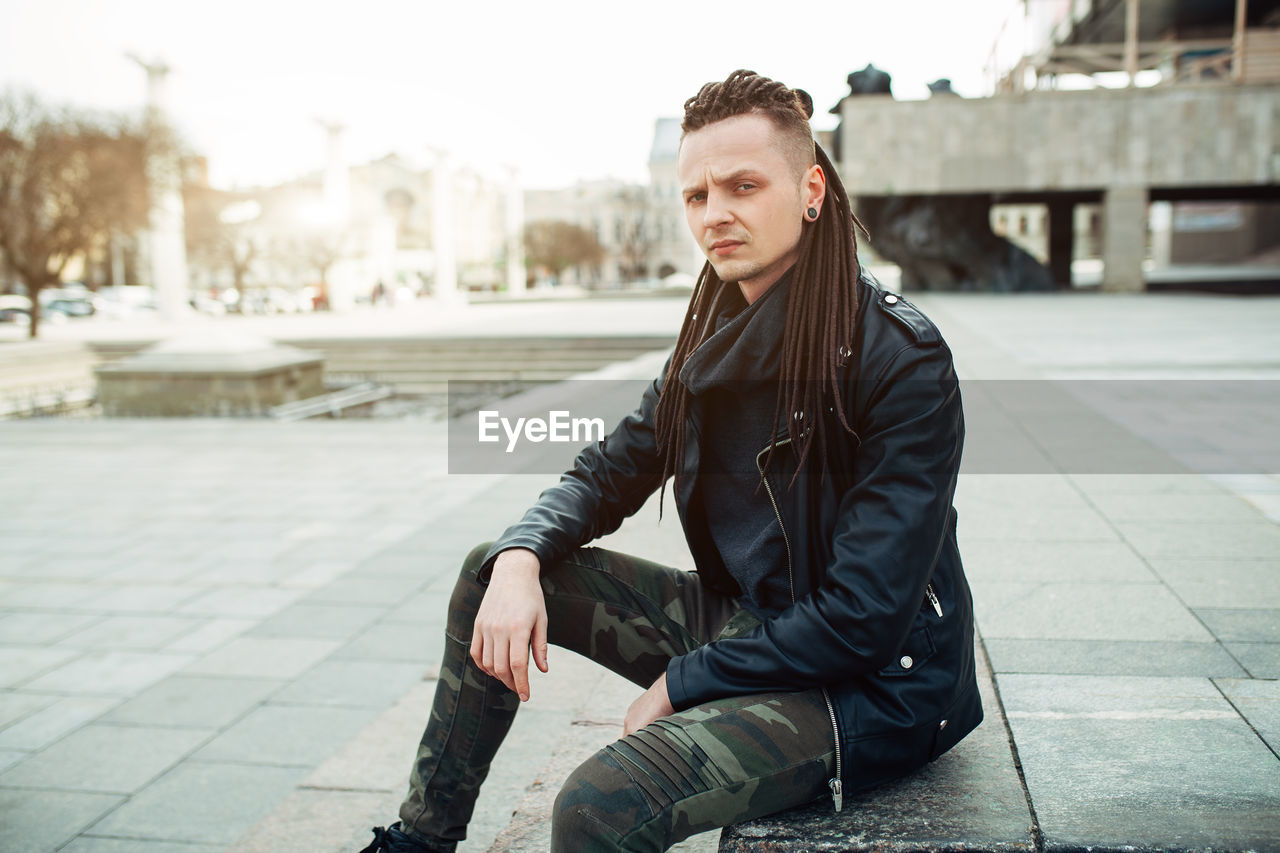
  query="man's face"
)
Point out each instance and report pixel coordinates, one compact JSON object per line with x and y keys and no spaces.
{"x":743,"y":200}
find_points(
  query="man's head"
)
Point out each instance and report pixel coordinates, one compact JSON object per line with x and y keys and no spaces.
{"x":760,"y":196}
{"x":749,"y":177}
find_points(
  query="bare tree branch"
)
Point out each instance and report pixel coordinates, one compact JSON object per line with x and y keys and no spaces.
{"x":67,"y":179}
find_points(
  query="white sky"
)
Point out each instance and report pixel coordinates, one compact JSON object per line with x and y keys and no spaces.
{"x":561,"y":89}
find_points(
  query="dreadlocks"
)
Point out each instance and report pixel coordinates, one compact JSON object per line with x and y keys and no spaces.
{"x":822,"y":298}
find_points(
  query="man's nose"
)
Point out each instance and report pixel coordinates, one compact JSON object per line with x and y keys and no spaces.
{"x":716,"y":212}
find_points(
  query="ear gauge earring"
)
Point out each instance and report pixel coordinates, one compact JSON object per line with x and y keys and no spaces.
{"x":811,"y":214}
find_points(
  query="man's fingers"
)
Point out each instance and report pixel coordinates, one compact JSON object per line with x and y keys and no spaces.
{"x":540,"y":642}
{"x":477,"y":649}
{"x":486,"y":655}
{"x":519,"y":651}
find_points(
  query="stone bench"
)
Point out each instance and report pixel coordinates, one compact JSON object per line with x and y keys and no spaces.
{"x":971,"y":798}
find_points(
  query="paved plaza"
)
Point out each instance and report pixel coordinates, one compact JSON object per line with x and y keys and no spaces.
{"x":222,"y":635}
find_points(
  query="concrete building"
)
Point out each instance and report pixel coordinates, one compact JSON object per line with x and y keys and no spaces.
{"x":615,"y":212}
{"x":674,"y":250}
{"x":1212,"y":135}
{"x":640,"y":227}
{"x":384,"y":230}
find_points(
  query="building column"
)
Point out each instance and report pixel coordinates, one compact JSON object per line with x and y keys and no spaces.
{"x":165,"y":240}
{"x":1131,"y":40}
{"x":513,"y":211}
{"x":442,"y":240}
{"x":1061,"y":240}
{"x":1237,"y":41}
{"x":1124,"y":238}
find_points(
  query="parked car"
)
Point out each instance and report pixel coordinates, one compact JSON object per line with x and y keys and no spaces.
{"x":119,"y":303}
{"x":67,"y":307}
{"x":15,"y":309}
{"x":208,"y":305}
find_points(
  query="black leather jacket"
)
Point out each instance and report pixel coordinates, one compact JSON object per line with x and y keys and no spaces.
{"x":883,"y":618}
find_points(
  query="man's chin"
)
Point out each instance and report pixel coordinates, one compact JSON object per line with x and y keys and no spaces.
{"x":735,"y":271}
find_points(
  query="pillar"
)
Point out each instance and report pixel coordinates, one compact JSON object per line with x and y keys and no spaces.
{"x":1124,"y":238}
{"x":1061,"y":240}
{"x":514,"y":227}
{"x":166,"y":236}
{"x":1237,"y":41}
{"x":1131,"y":40}
{"x":442,"y":238}
{"x":343,"y":279}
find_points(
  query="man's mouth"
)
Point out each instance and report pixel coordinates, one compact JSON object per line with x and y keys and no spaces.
{"x":725,"y":247}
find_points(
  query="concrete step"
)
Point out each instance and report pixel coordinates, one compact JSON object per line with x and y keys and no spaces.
{"x":460,"y":369}
{"x":481,"y":345}
{"x":420,"y":366}
{"x":45,"y":376}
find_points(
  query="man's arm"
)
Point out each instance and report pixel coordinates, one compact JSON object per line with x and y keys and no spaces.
{"x":609,"y":481}
{"x":890,"y":528}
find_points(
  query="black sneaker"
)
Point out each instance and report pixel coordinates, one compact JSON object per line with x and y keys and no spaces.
{"x":392,"y":840}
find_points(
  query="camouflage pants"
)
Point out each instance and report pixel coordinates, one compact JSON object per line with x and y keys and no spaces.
{"x":719,"y":763}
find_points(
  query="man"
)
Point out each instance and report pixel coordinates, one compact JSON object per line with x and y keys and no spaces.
{"x":813,"y":426}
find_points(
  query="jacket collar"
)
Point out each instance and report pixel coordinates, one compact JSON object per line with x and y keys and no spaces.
{"x":746,"y":347}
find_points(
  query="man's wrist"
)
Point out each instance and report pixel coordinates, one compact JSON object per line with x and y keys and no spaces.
{"x":516,"y":561}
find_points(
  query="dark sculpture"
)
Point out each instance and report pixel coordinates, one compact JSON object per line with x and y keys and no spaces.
{"x":942,"y":86}
{"x":946,"y":243}
{"x":942,"y":242}
{"x":869,"y":81}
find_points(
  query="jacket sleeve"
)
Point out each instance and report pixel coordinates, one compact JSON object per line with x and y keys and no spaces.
{"x":609,"y":481}
{"x":890,"y":527}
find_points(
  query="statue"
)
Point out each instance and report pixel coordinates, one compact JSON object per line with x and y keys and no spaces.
{"x":942,"y":86}
{"x":946,"y":243}
{"x":869,"y":81}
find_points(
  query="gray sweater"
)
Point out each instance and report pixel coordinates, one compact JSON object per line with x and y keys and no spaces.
{"x":733,"y":375}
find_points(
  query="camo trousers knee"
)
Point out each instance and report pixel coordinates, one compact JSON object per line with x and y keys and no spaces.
{"x":708,"y":766}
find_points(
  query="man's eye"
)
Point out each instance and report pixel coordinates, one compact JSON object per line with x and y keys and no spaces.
{"x":696,"y":197}
{"x":746,"y":185}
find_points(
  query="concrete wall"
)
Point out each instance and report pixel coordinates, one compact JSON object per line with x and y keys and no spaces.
{"x":1062,"y":140}
{"x":1120,"y":143}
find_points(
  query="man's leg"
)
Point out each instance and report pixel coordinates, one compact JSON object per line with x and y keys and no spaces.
{"x":719,"y":763}
{"x":629,"y":614}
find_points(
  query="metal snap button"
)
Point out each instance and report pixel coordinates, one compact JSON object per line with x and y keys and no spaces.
{"x":906,"y":661}
{"x":890,"y":298}
{"x":942,"y":725}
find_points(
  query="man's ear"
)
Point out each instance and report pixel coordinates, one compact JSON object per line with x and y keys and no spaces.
{"x":813,"y":187}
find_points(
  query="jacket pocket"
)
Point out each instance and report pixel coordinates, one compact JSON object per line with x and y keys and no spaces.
{"x":915,"y":653}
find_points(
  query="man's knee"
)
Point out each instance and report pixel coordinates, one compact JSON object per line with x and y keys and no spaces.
{"x":475,"y":557}
{"x":598,"y":807}
{"x":467,"y":594}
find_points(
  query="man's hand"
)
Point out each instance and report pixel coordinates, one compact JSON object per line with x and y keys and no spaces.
{"x":512,"y":617}
{"x":651,"y":705}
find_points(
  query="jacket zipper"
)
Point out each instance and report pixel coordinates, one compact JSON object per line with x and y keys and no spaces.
{"x":933,"y":598}
{"x":835,"y":784}
{"x":791,"y":580}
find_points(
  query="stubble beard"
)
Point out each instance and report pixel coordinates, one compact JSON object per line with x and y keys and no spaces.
{"x":737,"y":270}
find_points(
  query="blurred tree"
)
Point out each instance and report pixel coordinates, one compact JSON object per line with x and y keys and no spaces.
{"x":67,"y":179}
{"x":635,"y":233}
{"x":320,"y":251}
{"x":560,"y":245}
{"x":218,"y":231}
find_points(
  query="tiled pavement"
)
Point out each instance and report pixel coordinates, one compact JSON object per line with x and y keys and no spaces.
{"x":215,"y":635}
